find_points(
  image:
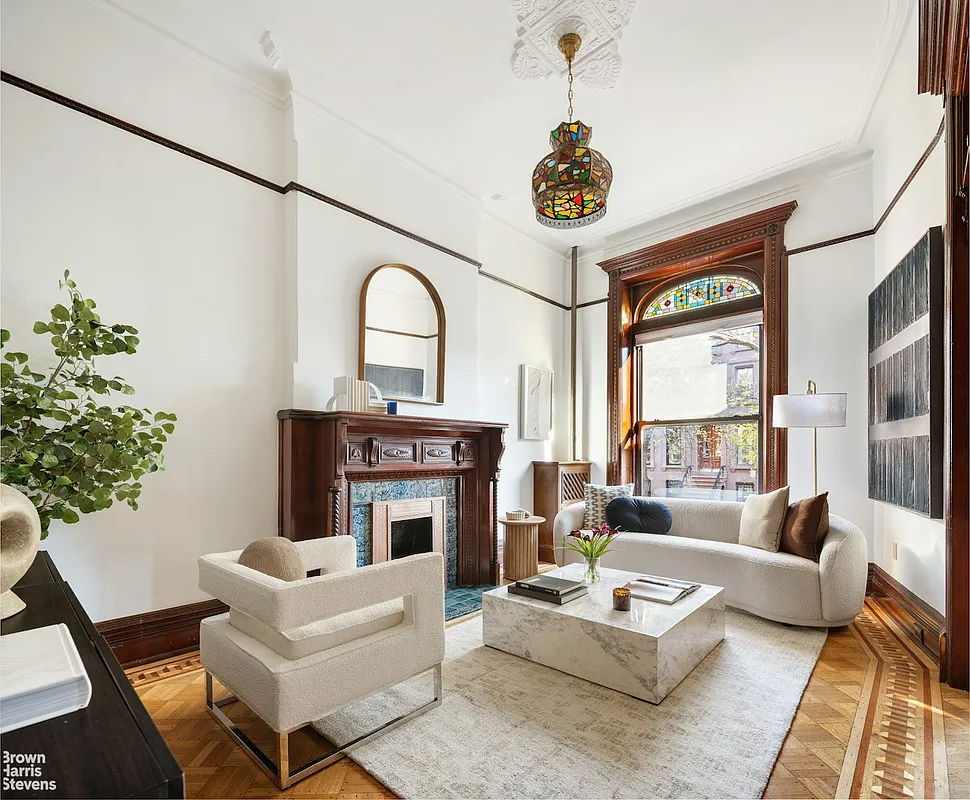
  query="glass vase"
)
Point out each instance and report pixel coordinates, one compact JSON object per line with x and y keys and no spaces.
{"x":592,"y":571}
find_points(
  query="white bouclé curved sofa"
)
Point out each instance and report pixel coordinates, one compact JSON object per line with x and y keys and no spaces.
{"x":702,"y":546}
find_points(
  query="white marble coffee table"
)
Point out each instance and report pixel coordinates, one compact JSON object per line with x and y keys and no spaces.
{"x":644,"y":652}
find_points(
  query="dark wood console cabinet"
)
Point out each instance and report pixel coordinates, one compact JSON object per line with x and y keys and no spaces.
{"x":109,"y":749}
{"x":323,"y":453}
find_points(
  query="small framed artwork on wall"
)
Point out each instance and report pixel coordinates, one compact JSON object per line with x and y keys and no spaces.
{"x":535,"y":402}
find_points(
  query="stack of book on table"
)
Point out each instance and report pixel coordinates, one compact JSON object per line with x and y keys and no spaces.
{"x":548,"y":588}
{"x":660,"y":590}
{"x":42,"y":677}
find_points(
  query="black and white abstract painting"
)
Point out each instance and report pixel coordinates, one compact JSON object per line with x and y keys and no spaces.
{"x":906,"y":381}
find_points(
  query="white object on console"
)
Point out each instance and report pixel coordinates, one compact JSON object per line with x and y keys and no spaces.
{"x":41,"y":677}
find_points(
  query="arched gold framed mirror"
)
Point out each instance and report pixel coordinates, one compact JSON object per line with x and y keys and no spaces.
{"x":402,"y":335}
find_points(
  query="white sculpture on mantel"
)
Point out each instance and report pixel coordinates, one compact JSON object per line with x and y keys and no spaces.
{"x":19,"y":539}
{"x":353,"y":394}
{"x":600,"y":23}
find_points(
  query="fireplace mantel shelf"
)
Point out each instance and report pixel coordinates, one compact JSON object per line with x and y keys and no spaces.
{"x":323,"y":452}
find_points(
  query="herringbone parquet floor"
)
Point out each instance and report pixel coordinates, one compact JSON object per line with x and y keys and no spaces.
{"x":874,"y":722}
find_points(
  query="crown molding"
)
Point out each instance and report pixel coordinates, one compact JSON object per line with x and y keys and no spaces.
{"x":664,"y":227}
{"x":811,"y":168}
{"x":897,"y":17}
{"x":268,"y":91}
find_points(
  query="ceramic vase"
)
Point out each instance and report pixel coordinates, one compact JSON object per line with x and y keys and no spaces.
{"x":19,"y":539}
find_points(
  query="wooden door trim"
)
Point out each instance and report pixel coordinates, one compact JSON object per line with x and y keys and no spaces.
{"x":955,"y":665}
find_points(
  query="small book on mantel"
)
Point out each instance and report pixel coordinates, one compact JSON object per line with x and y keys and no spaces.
{"x":548,"y":584}
{"x":660,"y":590}
{"x":548,"y":597}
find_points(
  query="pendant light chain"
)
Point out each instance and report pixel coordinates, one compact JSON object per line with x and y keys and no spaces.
{"x":569,"y":94}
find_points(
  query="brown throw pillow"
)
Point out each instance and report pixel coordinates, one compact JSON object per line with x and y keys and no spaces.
{"x":275,"y":556}
{"x":806,"y":526}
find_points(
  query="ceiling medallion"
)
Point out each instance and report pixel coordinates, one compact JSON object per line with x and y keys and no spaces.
{"x":570,"y":185}
{"x":542,"y":22}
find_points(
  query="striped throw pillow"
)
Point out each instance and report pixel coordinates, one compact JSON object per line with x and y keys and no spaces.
{"x":598,"y":498}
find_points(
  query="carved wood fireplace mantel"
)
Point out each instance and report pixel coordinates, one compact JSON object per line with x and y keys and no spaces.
{"x":323,"y":453}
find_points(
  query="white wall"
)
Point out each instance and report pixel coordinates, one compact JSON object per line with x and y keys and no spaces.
{"x":191,"y":257}
{"x":515,"y":329}
{"x":491,"y":328}
{"x":902,"y":126}
{"x":246,"y":300}
{"x":827,"y":320}
{"x":828,"y":290}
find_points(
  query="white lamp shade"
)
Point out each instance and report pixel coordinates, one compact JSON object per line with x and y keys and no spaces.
{"x":809,"y":411}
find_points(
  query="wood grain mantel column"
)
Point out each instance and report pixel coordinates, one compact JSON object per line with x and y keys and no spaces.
{"x":763,"y":231}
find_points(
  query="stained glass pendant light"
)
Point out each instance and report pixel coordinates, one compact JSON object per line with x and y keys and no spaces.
{"x":571,"y":184}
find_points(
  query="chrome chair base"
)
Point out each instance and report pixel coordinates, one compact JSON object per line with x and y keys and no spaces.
{"x":280,"y":772}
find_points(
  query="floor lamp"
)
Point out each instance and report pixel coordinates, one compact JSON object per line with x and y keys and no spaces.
{"x":810,"y":410}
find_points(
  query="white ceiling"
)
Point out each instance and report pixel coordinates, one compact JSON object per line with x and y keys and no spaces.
{"x":712,"y":95}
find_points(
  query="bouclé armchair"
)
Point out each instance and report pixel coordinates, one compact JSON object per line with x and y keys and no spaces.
{"x":296,"y":651}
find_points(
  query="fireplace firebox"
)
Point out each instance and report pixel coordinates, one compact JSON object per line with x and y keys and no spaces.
{"x":411,"y":537}
{"x":405,"y":527}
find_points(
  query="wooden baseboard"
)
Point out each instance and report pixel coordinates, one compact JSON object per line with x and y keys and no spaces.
{"x":923,"y":623}
{"x":155,"y":635}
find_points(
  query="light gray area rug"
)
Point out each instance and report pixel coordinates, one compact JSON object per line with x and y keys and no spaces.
{"x":510,"y":728}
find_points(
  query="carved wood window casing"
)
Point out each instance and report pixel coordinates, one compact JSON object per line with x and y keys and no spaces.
{"x":756,"y":242}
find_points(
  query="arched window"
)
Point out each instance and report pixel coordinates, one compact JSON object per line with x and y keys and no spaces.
{"x":727,"y":340}
{"x":700,"y":293}
{"x":697,"y":396}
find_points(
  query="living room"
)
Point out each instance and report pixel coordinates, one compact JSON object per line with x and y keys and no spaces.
{"x":327,"y":256}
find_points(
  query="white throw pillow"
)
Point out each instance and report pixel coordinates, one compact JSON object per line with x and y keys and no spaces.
{"x":597,"y":499}
{"x":762,"y":519}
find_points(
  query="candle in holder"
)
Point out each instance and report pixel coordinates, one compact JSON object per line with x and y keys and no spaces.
{"x":621,"y":598}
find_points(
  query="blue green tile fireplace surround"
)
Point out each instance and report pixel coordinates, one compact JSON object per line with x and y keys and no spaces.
{"x":458,"y":600}
{"x":363,"y":493}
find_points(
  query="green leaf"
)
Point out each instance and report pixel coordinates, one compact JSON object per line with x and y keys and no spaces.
{"x":65,"y":451}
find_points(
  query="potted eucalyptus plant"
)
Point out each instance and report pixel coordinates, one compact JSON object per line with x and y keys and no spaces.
{"x":62,"y":445}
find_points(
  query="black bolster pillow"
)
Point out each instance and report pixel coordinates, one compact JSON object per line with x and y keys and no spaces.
{"x":638,"y":514}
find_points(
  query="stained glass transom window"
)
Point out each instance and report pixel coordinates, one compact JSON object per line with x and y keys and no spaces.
{"x":701,"y":292}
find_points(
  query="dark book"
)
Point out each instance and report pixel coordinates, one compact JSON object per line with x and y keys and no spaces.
{"x":548,"y":597}
{"x":548,"y":584}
